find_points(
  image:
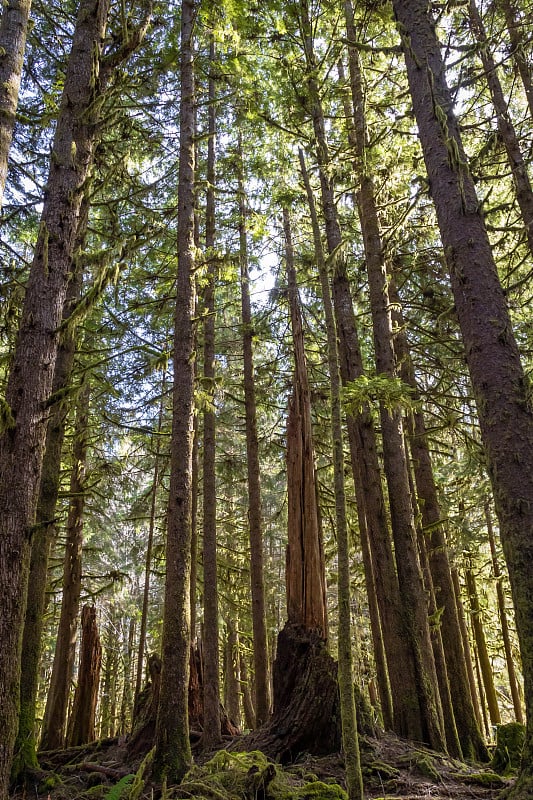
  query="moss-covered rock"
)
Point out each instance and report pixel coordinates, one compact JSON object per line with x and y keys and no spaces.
{"x":509,"y":743}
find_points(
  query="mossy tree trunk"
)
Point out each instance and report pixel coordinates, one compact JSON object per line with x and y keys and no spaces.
{"x":504,"y":623}
{"x":519,"y":45}
{"x":211,"y":732}
{"x":481,"y":647}
{"x":26,"y":744}
{"x":172,"y":747}
{"x":499,"y":384}
{"x":55,"y":716}
{"x":30,"y":379}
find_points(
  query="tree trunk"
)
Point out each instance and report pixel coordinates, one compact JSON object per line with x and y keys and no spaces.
{"x":523,"y":191}
{"x":481,"y":646}
{"x":26,"y":744}
{"x":150,"y":542}
{"x":513,"y":683}
{"x":13,"y":30}
{"x":493,"y":358}
{"x":211,"y":733}
{"x":414,"y":600}
{"x":345,"y":668}
{"x":126,"y":705}
{"x":248,"y":708}
{"x":30,"y":380}
{"x":466,"y":647}
{"x":261,"y":672}
{"x":55,"y":716}
{"x":468,"y":729}
{"x":173,"y":753}
{"x":82,"y":718}
{"x":305,"y":576}
{"x":233,"y":678}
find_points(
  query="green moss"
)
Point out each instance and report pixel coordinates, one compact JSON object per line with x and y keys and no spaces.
{"x":422,"y":763}
{"x":233,"y":776}
{"x":485,"y":778}
{"x":380,"y":769}
{"x":509,"y":743}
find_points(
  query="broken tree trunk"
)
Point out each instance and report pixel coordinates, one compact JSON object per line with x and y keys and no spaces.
{"x":81,"y":722}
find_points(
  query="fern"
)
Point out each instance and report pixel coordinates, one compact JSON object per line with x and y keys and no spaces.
{"x":116,"y":791}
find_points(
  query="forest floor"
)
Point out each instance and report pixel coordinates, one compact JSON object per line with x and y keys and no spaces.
{"x":392,"y":768}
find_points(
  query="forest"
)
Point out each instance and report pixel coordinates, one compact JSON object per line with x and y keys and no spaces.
{"x":266,"y":421}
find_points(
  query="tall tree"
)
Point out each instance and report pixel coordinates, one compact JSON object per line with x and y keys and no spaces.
{"x":211,"y":676}
{"x":30,"y":379}
{"x":493,"y":358}
{"x":262,"y":694}
{"x":173,"y":751}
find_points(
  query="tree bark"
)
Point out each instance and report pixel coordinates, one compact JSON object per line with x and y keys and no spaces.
{"x":13,"y":30}
{"x":468,"y":729}
{"x":345,"y":666}
{"x":173,"y":753}
{"x":493,"y":358}
{"x":150,"y":542}
{"x":481,"y":646}
{"x":305,"y":575}
{"x":513,"y":682}
{"x":82,"y":718}
{"x":26,"y":744}
{"x":211,"y":733}
{"x":55,"y":715}
{"x":466,"y":647}
{"x":414,"y":599}
{"x":30,"y":380}
{"x":261,"y":661}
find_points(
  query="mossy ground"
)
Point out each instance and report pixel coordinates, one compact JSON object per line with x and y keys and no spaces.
{"x":392,"y":768}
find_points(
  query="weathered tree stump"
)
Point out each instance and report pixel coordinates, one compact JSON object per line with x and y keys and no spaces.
{"x":145,"y":711}
{"x":306,"y":716}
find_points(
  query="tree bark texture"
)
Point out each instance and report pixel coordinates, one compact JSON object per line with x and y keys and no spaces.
{"x":30,"y":379}
{"x":305,"y":575}
{"x":82,"y":718}
{"x":211,"y":732}
{"x":13,"y":30}
{"x":255,"y":521}
{"x":481,"y":647}
{"x":414,"y":599}
{"x":173,"y":753}
{"x":498,"y":380}
{"x":55,"y":716}
{"x":26,"y":744}
{"x":504,"y":623}
{"x":468,"y":729}
{"x":466,"y":646}
{"x":345,"y":665}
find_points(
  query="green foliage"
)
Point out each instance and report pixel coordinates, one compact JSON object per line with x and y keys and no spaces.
{"x":392,"y":393}
{"x":119,"y":790}
{"x":7,"y":420}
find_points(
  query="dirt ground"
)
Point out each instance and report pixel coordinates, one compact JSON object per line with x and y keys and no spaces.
{"x":392,"y":768}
